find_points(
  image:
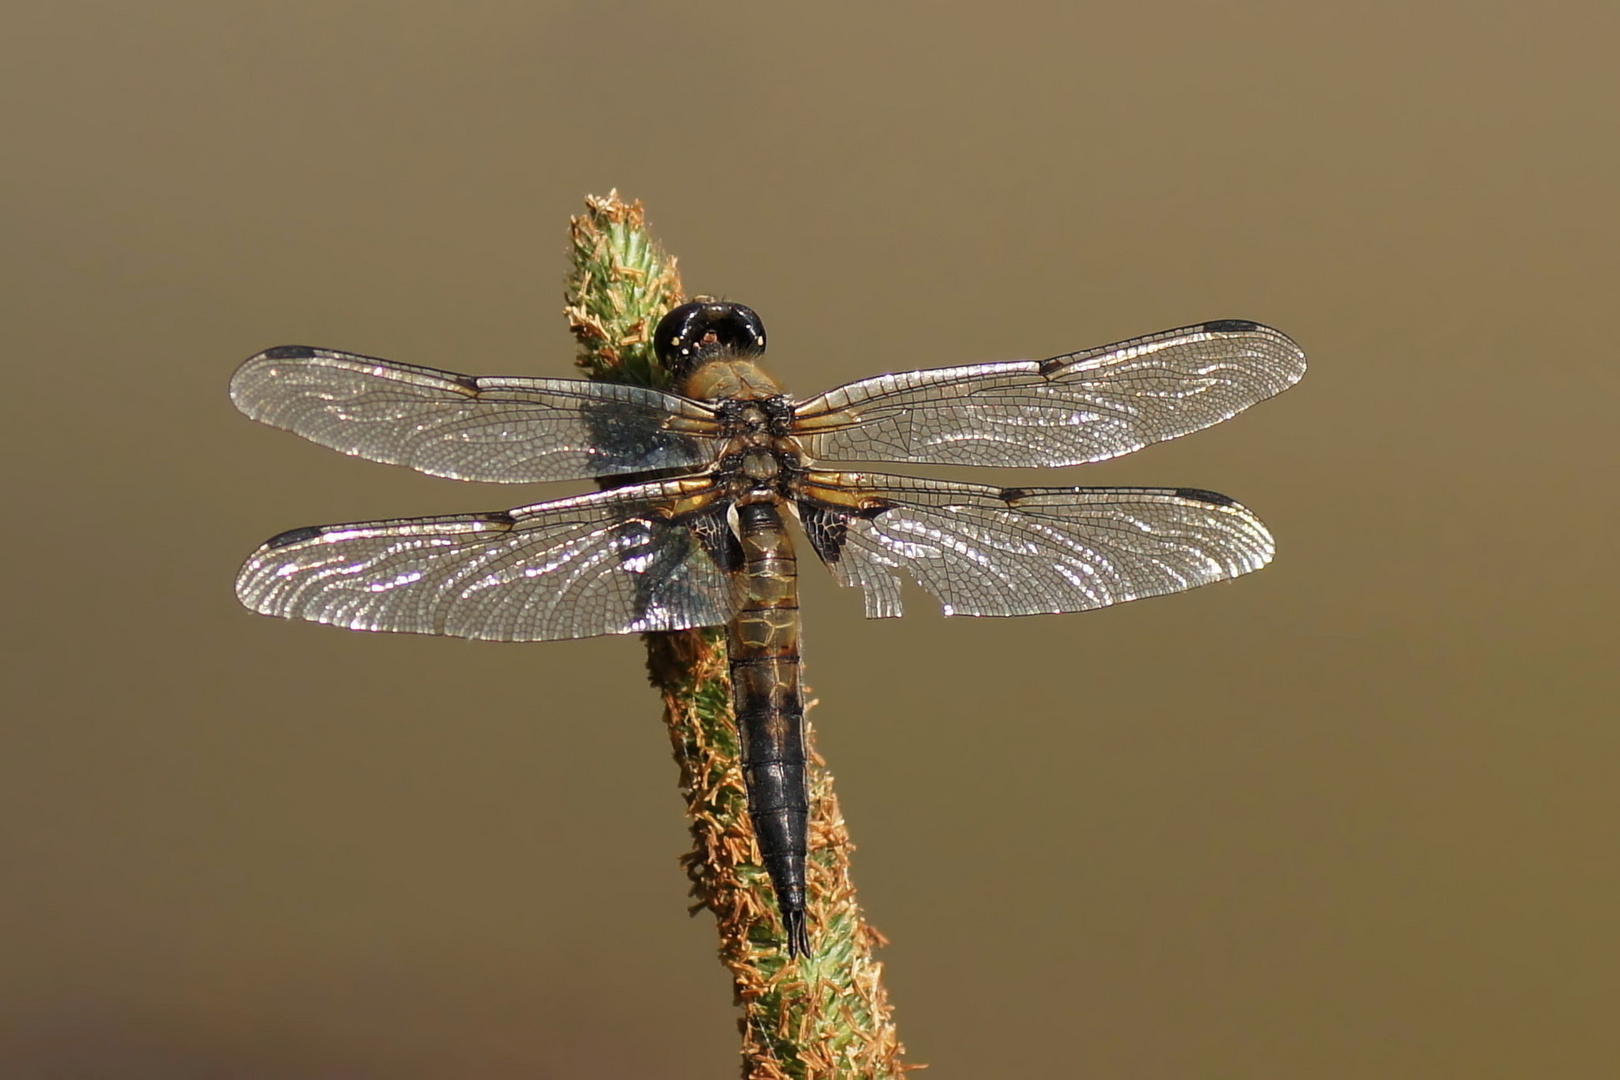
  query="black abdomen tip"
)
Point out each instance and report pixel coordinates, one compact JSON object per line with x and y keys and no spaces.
{"x":798,"y":933}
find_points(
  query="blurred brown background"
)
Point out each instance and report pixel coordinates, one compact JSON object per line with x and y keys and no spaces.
{"x":1354,"y":816}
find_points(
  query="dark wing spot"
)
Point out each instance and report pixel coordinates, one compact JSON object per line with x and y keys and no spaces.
{"x":1200,"y":495}
{"x":826,"y":529}
{"x":1055,"y":365}
{"x":293,"y":536}
{"x":498,"y":517}
{"x":1012,"y":495}
{"x":713,"y":532}
{"x":1231,"y":326}
{"x":288,"y":352}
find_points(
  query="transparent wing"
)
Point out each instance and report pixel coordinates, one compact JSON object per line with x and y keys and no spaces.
{"x":604,"y":563}
{"x":1024,"y":551}
{"x":497,"y":430}
{"x":1085,"y":406}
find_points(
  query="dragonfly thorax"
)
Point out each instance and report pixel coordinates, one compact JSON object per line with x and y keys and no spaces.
{"x":760,"y":465}
{"x":760,"y":455}
{"x":731,"y":378}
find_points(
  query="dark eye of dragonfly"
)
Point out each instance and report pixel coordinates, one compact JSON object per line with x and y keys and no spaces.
{"x":705,"y":328}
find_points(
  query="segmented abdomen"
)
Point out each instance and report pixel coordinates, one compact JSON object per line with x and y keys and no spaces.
{"x":764,"y":648}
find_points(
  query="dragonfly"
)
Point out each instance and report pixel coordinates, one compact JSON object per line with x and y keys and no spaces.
{"x":688,"y":528}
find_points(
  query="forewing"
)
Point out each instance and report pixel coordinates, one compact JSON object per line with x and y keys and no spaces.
{"x":1024,"y":551}
{"x":1085,"y":406}
{"x":500,"y":430}
{"x":604,"y":563}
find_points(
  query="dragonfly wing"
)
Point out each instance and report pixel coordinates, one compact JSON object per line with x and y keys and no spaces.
{"x":1023,"y":551}
{"x":500,"y":430}
{"x":605,"y":563}
{"x":1084,"y":406}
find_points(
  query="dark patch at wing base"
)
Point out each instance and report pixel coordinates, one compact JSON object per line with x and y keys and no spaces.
{"x":714,"y":533}
{"x":826,"y":530}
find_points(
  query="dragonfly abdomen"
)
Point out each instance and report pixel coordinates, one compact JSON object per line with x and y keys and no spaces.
{"x":764,"y":648}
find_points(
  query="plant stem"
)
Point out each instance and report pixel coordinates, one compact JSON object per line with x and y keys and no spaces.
{"x":826,"y":1015}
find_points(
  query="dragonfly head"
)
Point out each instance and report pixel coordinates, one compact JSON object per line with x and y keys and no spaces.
{"x":707,"y":329}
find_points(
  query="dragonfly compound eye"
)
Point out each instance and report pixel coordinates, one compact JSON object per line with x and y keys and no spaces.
{"x":705,"y":328}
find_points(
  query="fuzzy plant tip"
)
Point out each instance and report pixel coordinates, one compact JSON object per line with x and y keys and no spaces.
{"x":620,"y":284}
